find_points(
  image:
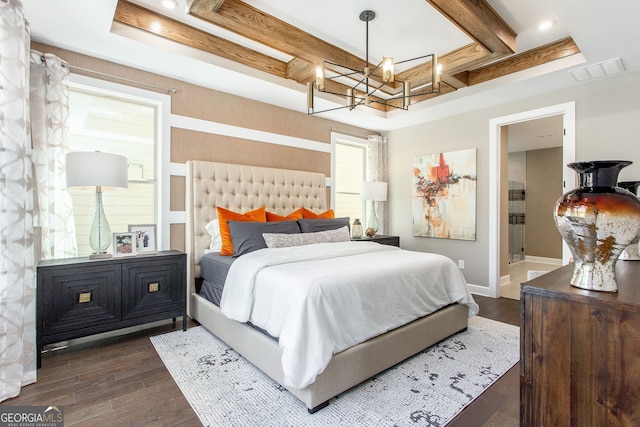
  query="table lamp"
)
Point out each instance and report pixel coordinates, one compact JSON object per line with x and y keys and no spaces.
{"x":99,"y":170}
{"x":374,"y":191}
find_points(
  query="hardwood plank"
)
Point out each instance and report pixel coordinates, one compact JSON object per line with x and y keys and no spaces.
{"x":139,"y":396}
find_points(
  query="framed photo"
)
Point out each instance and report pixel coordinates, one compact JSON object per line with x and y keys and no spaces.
{"x":145,"y":238}
{"x":124,"y":244}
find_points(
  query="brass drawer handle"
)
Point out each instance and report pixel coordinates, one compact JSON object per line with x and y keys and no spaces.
{"x":84,"y":297}
{"x":154,"y":287}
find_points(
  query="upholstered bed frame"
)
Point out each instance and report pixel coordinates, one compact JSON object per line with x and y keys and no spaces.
{"x":244,"y":188}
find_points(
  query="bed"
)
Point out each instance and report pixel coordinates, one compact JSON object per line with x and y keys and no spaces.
{"x":243,"y":188}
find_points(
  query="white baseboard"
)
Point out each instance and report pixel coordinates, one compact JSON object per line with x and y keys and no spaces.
{"x":478,"y":290}
{"x":543,"y":260}
{"x":505,"y":280}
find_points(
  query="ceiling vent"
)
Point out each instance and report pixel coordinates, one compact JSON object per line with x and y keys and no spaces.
{"x":594,"y":71}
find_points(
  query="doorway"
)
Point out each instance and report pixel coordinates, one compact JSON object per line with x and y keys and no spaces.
{"x":498,"y":148}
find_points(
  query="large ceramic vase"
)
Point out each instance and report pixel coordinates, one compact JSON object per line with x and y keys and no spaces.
{"x":631,"y":252}
{"x":598,"y":221}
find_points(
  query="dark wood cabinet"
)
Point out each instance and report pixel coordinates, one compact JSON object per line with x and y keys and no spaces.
{"x":381,"y":238}
{"x":77,"y":297}
{"x":580,"y":351}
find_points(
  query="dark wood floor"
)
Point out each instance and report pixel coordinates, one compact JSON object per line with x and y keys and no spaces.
{"x":121,"y":381}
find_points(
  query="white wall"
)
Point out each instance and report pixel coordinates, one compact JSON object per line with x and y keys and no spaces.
{"x":607,"y":127}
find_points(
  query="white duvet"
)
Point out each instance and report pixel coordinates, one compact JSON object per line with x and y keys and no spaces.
{"x":324,"y":298}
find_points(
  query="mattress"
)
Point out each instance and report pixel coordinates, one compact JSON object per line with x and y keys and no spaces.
{"x":214,"y":270}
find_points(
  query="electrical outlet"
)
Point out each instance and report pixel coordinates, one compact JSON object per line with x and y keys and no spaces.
{"x":461,"y":264}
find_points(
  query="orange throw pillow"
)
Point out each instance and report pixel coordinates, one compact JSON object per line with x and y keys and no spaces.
{"x":308,"y":214}
{"x":224,"y":215}
{"x":295,"y":215}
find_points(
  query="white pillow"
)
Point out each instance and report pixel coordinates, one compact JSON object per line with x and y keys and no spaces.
{"x":280,"y":240}
{"x":213,"y":228}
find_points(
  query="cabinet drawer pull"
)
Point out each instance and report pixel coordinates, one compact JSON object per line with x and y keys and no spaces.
{"x":153,"y":287}
{"x":84,"y":297}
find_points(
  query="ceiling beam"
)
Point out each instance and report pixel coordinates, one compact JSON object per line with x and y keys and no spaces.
{"x":480,"y":22}
{"x":256,"y":25}
{"x":138,"y":17}
{"x":203,"y":5}
{"x":522,"y":61}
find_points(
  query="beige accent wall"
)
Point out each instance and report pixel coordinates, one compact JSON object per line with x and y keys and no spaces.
{"x":201,"y":103}
{"x":544,"y":187}
{"x":188,"y":144}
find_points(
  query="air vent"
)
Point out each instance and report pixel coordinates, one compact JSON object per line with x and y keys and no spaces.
{"x":594,"y":71}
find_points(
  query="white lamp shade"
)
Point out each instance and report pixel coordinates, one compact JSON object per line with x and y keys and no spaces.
{"x":97,"y":169}
{"x":373,"y":190}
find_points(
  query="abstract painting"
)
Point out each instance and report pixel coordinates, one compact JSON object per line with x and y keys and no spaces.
{"x":444,"y":195}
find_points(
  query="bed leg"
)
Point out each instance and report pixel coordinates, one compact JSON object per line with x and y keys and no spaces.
{"x":317,"y":408}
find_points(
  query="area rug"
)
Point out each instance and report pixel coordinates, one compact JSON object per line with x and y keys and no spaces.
{"x":429,"y":389}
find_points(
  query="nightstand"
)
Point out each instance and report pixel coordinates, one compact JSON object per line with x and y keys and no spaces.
{"x":380,"y":238}
{"x":77,"y":297}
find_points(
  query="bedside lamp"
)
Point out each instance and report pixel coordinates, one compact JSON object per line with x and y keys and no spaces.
{"x":99,"y":170}
{"x":374,"y":191}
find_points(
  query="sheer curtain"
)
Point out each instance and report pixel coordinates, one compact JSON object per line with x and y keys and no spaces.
{"x":17,"y":263}
{"x":36,"y":218}
{"x":49,"y":103}
{"x":377,"y":171}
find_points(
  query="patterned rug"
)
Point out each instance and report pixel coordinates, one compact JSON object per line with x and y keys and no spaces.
{"x":429,"y":389}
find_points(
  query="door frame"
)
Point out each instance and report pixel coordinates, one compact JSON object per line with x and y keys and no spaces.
{"x":568,"y":112}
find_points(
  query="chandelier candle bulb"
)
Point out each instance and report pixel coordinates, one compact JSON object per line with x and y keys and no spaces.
{"x":434,"y":71}
{"x":387,"y":69}
{"x":320,"y":77}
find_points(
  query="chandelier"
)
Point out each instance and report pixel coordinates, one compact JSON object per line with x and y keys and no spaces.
{"x":373,"y":85}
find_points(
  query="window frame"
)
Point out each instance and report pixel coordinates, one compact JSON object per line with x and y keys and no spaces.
{"x":162,"y":103}
{"x":339,"y":138}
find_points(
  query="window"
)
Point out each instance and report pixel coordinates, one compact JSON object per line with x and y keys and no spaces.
{"x":115,"y":123}
{"x":350,"y":171}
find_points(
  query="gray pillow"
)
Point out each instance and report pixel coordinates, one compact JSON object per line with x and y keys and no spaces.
{"x":315,"y":225}
{"x":247,"y":236}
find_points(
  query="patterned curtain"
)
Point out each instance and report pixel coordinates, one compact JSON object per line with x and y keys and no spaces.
{"x":17,"y":263}
{"x":36,"y":216}
{"x":377,"y":164}
{"x":49,"y":102}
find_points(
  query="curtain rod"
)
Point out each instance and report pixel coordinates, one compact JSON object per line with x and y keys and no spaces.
{"x":170,"y":91}
{"x":348,"y":132}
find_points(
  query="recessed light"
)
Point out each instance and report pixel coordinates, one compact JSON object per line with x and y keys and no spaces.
{"x":170,"y":4}
{"x":545,"y":25}
{"x":156,"y":27}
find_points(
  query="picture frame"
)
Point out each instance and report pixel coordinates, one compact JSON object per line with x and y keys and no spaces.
{"x":145,"y":238}
{"x":124,"y":244}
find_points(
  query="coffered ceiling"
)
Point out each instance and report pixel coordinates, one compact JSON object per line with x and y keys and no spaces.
{"x":482,"y":46}
{"x":267,"y":49}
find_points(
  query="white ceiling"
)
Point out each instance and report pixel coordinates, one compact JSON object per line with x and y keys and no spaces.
{"x":603,"y":30}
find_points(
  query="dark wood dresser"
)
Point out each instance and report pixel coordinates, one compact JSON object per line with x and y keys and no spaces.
{"x":380,"y":238}
{"x":77,"y":297}
{"x":580,"y":351}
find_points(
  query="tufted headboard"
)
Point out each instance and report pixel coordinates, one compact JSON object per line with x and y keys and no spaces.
{"x":242,"y":188}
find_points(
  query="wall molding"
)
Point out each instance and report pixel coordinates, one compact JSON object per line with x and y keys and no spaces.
{"x":205,"y":126}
